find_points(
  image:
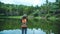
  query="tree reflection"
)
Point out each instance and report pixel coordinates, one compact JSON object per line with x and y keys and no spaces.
{"x":48,"y":26}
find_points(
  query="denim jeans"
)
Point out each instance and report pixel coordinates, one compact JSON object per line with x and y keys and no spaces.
{"x":24,"y":30}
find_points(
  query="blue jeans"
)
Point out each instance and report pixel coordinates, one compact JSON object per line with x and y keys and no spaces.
{"x":24,"y":30}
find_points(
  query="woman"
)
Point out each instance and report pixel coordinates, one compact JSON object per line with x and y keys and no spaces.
{"x":24,"y":24}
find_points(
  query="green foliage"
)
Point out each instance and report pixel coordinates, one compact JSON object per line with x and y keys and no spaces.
{"x":12,"y":14}
{"x":18,"y":10}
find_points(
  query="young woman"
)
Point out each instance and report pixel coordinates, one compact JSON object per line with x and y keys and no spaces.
{"x":24,"y":24}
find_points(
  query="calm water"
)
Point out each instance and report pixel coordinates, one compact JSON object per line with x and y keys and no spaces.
{"x":18,"y":31}
{"x":35,"y":26}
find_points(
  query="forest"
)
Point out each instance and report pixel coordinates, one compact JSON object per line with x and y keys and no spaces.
{"x":46,"y":17}
{"x":46,"y":10}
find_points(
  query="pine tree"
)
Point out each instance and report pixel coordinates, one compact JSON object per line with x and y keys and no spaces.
{"x":57,"y":7}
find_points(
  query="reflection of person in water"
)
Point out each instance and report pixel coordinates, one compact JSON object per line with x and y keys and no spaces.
{"x":24,"y":24}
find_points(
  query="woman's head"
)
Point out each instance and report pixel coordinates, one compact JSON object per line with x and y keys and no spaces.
{"x":24,"y":16}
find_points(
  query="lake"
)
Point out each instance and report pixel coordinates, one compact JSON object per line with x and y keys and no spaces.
{"x":35,"y":26}
{"x":18,"y":31}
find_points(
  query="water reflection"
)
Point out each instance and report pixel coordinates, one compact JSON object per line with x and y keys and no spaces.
{"x":47,"y":26}
{"x":18,"y":31}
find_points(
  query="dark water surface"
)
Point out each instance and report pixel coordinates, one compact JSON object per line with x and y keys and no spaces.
{"x":35,"y":26}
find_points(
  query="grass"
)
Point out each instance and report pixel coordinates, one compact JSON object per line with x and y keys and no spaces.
{"x":19,"y":17}
{"x":16,"y":17}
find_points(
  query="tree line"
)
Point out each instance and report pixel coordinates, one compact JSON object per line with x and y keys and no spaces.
{"x":51,"y":9}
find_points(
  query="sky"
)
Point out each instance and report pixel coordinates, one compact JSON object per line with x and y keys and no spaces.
{"x":26,"y":2}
